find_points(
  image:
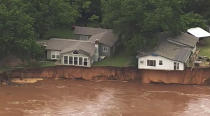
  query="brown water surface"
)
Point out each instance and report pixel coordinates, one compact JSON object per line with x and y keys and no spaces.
{"x":112,"y":98}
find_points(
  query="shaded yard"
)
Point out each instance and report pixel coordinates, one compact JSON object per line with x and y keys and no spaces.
{"x":122,"y":59}
{"x":204,"y":47}
{"x":37,"y":64}
{"x":65,"y":33}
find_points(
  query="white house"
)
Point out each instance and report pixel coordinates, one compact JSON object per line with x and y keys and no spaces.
{"x":170,"y":54}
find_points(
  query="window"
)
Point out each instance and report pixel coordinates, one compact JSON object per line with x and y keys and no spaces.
{"x":70,"y":60}
{"x":75,"y":52}
{"x":75,"y":60}
{"x":65,"y":61}
{"x":85,"y":61}
{"x":105,"y":49}
{"x":141,"y":62}
{"x":55,"y":55}
{"x":80,"y":60}
{"x":160,"y":62}
{"x":176,"y":66}
{"x":151,"y":62}
{"x":83,"y":37}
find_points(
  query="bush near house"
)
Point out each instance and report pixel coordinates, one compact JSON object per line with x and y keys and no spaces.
{"x":204,"y":47}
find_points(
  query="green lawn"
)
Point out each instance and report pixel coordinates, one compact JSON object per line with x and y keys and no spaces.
{"x":37,"y":64}
{"x":64,"y":33}
{"x":205,"y":47}
{"x":123,"y":59}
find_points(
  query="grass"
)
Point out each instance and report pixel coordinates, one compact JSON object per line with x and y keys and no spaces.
{"x":123,"y":59}
{"x":204,"y":47}
{"x":37,"y":64}
{"x":65,"y":33}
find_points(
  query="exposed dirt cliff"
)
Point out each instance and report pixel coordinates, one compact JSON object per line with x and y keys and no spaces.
{"x":195,"y":76}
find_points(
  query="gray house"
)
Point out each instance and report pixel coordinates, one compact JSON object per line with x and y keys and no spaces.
{"x":71,"y":52}
{"x":106,"y":38}
{"x":94,"y":44}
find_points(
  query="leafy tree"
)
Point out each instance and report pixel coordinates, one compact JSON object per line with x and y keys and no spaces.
{"x":17,"y":34}
{"x":50,"y":14}
{"x":89,"y":10}
{"x":137,"y":19}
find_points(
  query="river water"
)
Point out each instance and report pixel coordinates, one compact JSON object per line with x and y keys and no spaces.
{"x":103,"y":98}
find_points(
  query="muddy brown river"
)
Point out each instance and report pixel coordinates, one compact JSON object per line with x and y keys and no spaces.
{"x":103,"y":98}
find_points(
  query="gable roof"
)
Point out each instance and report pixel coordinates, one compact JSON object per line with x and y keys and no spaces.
{"x":170,"y":51}
{"x":88,"y":30}
{"x":107,"y":38}
{"x":198,"y":32}
{"x":68,"y":45}
{"x":185,"y":39}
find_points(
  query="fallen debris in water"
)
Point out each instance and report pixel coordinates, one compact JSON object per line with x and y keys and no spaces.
{"x":26,"y":80}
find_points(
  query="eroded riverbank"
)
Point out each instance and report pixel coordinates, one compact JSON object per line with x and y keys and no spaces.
{"x":103,"y":98}
{"x":188,"y":76}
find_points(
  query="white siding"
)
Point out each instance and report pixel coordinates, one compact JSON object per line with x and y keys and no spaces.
{"x":167,"y":63}
{"x":50,"y":53}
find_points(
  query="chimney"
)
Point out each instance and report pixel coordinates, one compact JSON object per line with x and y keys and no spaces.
{"x":97,"y":50}
{"x":73,"y":27}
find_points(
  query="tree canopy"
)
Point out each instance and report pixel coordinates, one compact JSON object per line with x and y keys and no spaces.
{"x":136,"y":20}
{"x":22,"y":22}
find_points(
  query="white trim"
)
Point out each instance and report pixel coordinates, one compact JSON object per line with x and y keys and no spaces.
{"x":56,"y":55}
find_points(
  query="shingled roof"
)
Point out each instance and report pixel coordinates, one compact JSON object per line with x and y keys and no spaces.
{"x":88,"y":30}
{"x":68,"y":45}
{"x":169,"y":51}
{"x":185,"y":39}
{"x":107,"y":38}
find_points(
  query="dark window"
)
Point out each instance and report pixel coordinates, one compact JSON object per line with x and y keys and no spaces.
{"x":75,"y":52}
{"x":53,"y":56}
{"x":65,"y":59}
{"x":151,"y":63}
{"x":176,"y":66}
{"x":160,"y":62}
{"x":85,"y":61}
{"x":141,"y":62}
{"x":70,"y":60}
{"x":80,"y":60}
{"x":75,"y":60}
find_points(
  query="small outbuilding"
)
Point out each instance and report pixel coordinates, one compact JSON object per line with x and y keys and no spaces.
{"x":198,"y":32}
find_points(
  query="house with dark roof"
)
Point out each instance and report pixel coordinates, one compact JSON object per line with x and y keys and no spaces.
{"x":94,"y":44}
{"x":171,"y":53}
{"x":107,"y":40}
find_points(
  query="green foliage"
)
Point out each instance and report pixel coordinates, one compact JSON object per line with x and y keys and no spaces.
{"x":17,"y":33}
{"x":138,"y":21}
{"x":50,"y":14}
{"x":123,"y":59}
{"x":89,"y":10}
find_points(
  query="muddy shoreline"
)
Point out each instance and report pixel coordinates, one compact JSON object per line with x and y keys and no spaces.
{"x":196,"y":76}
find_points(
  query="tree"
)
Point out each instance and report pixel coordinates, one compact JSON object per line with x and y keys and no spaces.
{"x":50,"y":14}
{"x":17,"y":34}
{"x":133,"y":19}
{"x":89,"y":10}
